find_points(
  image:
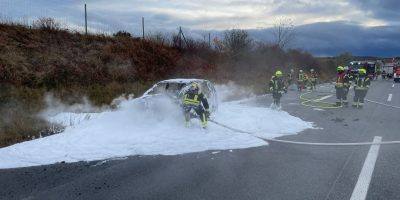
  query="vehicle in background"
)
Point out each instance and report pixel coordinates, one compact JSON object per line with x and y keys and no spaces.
{"x":371,"y":70}
{"x":369,"y":66}
{"x":396,"y":75}
{"x":388,"y":70}
{"x":352,"y":69}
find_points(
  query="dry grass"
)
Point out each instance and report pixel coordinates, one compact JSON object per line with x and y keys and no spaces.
{"x":47,"y":59}
{"x":19,"y":107}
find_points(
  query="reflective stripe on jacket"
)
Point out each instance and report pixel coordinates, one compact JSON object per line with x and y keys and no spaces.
{"x":277,"y":84}
{"x":342,"y":80}
{"x":313,"y":77}
{"x":362,"y":83}
{"x":301,"y":77}
{"x":191,"y":101}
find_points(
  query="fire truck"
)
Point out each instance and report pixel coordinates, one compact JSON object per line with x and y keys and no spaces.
{"x":369,"y":66}
{"x":396,"y":75}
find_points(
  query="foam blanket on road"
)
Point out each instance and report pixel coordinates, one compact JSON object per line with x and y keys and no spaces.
{"x":132,"y":130}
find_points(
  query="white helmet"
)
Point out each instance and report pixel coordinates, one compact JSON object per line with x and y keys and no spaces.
{"x":194,"y":87}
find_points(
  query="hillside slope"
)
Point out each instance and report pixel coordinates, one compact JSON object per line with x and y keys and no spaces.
{"x":42,"y":61}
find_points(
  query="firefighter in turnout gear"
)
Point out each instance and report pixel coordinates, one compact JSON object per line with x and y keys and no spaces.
{"x":313,"y":79}
{"x":290,"y":77}
{"x":342,"y":87}
{"x":194,"y":100}
{"x":277,"y":88}
{"x":362,"y":83}
{"x":300,"y":81}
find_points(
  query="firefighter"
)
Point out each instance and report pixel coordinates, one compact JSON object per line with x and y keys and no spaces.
{"x":306,"y":81}
{"x":290,"y":78}
{"x":342,"y":87}
{"x":313,"y":79}
{"x":361,"y":85}
{"x":277,"y":88}
{"x":193,"y":99}
{"x":300,"y":81}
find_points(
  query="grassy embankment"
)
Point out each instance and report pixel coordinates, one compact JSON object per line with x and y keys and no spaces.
{"x":69,"y":65}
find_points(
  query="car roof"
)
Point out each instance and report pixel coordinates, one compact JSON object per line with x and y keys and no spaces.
{"x":176,"y":80}
{"x":182,"y":80}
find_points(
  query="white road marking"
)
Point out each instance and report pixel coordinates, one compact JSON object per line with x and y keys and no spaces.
{"x":361,"y":189}
{"x":393,"y":85}
{"x":390,"y":97}
{"x":323,"y":98}
{"x":382,"y":104}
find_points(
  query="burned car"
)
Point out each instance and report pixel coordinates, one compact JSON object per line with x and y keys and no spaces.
{"x":174,"y":89}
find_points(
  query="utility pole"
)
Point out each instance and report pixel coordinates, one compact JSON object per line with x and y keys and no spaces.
{"x":143,"y":27}
{"x":209,"y":39}
{"x":85,"y":20}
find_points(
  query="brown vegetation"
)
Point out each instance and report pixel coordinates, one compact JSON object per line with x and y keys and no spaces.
{"x":44,"y":58}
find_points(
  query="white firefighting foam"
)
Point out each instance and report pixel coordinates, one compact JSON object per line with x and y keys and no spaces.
{"x":133,"y":130}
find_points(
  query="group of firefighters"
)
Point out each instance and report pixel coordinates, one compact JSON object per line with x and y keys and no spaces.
{"x":194,"y":100}
{"x":278,"y":86}
{"x":361,"y":82}
{"x":361,"y":85}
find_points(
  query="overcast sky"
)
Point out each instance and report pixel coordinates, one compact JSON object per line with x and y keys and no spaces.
{"x":324,"y":27}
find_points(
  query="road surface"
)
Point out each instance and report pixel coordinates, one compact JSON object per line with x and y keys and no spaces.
{"x":277,"y":171}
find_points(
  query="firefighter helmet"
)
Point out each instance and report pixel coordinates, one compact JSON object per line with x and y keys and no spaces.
{"x":362,"y":71}
{"x":340,"y":69}
{"x":194,"y":87}
{"x":278,"y":73}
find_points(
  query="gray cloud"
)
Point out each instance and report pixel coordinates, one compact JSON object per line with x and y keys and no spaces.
{"x":316,"y":7}
{"x":328,"y":38}
{"x":388,"y":10}
{"x":334,"y":38}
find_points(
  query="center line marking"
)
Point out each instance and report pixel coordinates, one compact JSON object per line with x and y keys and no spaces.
{"x":390,"y":97}
{"x":361,"y":189}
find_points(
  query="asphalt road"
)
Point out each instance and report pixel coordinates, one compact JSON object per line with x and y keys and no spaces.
{"x":277,"y":171}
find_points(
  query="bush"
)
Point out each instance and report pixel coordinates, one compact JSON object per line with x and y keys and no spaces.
{"x":72,"y":65}
{"x":123,"y":34}
{"x":158,"y":38}
{"x":237,"y":41}
{"x":46,"y":24}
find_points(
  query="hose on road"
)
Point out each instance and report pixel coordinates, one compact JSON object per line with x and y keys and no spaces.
{"x":311,"y":102}
{"x":304,"y":102}
{"x":303,"y":143}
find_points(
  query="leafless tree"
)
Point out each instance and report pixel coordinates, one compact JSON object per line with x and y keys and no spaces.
{"x":283,"y":32}
{"x":46,"y":24}
{"x":236,"y":41}
{"x":159,"y":38}
{"x":122,"y":34}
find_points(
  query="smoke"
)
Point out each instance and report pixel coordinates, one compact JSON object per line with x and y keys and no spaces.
{"x":150,"y":125}
{"x":55,"y":106}
{"x":157,"y":108}
{"x":231,"y":92}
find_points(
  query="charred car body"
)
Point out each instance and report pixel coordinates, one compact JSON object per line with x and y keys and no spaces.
{"x":174,"y":89}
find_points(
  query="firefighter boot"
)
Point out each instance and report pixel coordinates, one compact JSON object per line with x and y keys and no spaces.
{"x":203,"y":121}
